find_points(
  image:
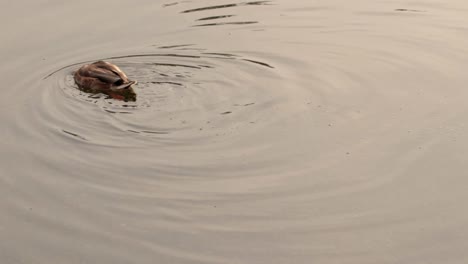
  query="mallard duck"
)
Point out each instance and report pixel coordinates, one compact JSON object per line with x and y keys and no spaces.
{"x":107,"y":78}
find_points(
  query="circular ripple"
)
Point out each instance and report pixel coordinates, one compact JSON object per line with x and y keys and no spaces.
{"x":181,"y":97}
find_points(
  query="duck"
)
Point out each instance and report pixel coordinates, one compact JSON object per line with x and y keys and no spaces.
{"x":106,"y":78}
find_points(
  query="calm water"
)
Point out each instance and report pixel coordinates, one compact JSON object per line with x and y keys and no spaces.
{"x":283,"y":131}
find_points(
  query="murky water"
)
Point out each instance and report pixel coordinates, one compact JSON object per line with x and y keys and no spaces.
{"x":264,"y":132}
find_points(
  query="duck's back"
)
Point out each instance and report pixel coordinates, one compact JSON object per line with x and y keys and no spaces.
{"x":110,"y":69}
{"x":104,"y":72}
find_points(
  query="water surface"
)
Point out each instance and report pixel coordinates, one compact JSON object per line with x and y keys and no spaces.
{"x":264,"y":132}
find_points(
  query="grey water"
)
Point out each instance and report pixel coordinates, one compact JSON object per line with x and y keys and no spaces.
{"x":282,"y":131}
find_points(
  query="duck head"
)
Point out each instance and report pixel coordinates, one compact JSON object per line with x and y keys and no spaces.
{"x":123,"y":92}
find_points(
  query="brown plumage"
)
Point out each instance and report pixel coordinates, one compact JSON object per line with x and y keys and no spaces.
{"x":104,"y":77}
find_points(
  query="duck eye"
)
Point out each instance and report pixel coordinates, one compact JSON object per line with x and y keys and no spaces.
{"x":119,"y":82}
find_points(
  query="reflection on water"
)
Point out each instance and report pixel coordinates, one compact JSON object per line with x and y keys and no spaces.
{"x":264,"y":132}
{"x":226,"y":6}
{"x":214,"y":17}
{"x":407,"y":10}
{"x":73,"y":134}
{"x":217,"y":17}
{"x":227,"y":23}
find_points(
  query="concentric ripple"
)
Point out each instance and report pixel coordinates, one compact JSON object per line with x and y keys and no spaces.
{"x":186,"y":94}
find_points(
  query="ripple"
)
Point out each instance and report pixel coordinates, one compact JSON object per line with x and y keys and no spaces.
{"x":214,"y":17}
{"x":227,"y":23}
{"x":184,"y":92}
{"x":224,"y":16}
{"x":253,"y":3}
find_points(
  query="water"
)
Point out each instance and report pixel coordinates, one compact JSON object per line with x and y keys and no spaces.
{"x":264,"y":132}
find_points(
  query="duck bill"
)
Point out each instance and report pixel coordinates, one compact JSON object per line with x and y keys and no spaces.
{"x":124,"y":86}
